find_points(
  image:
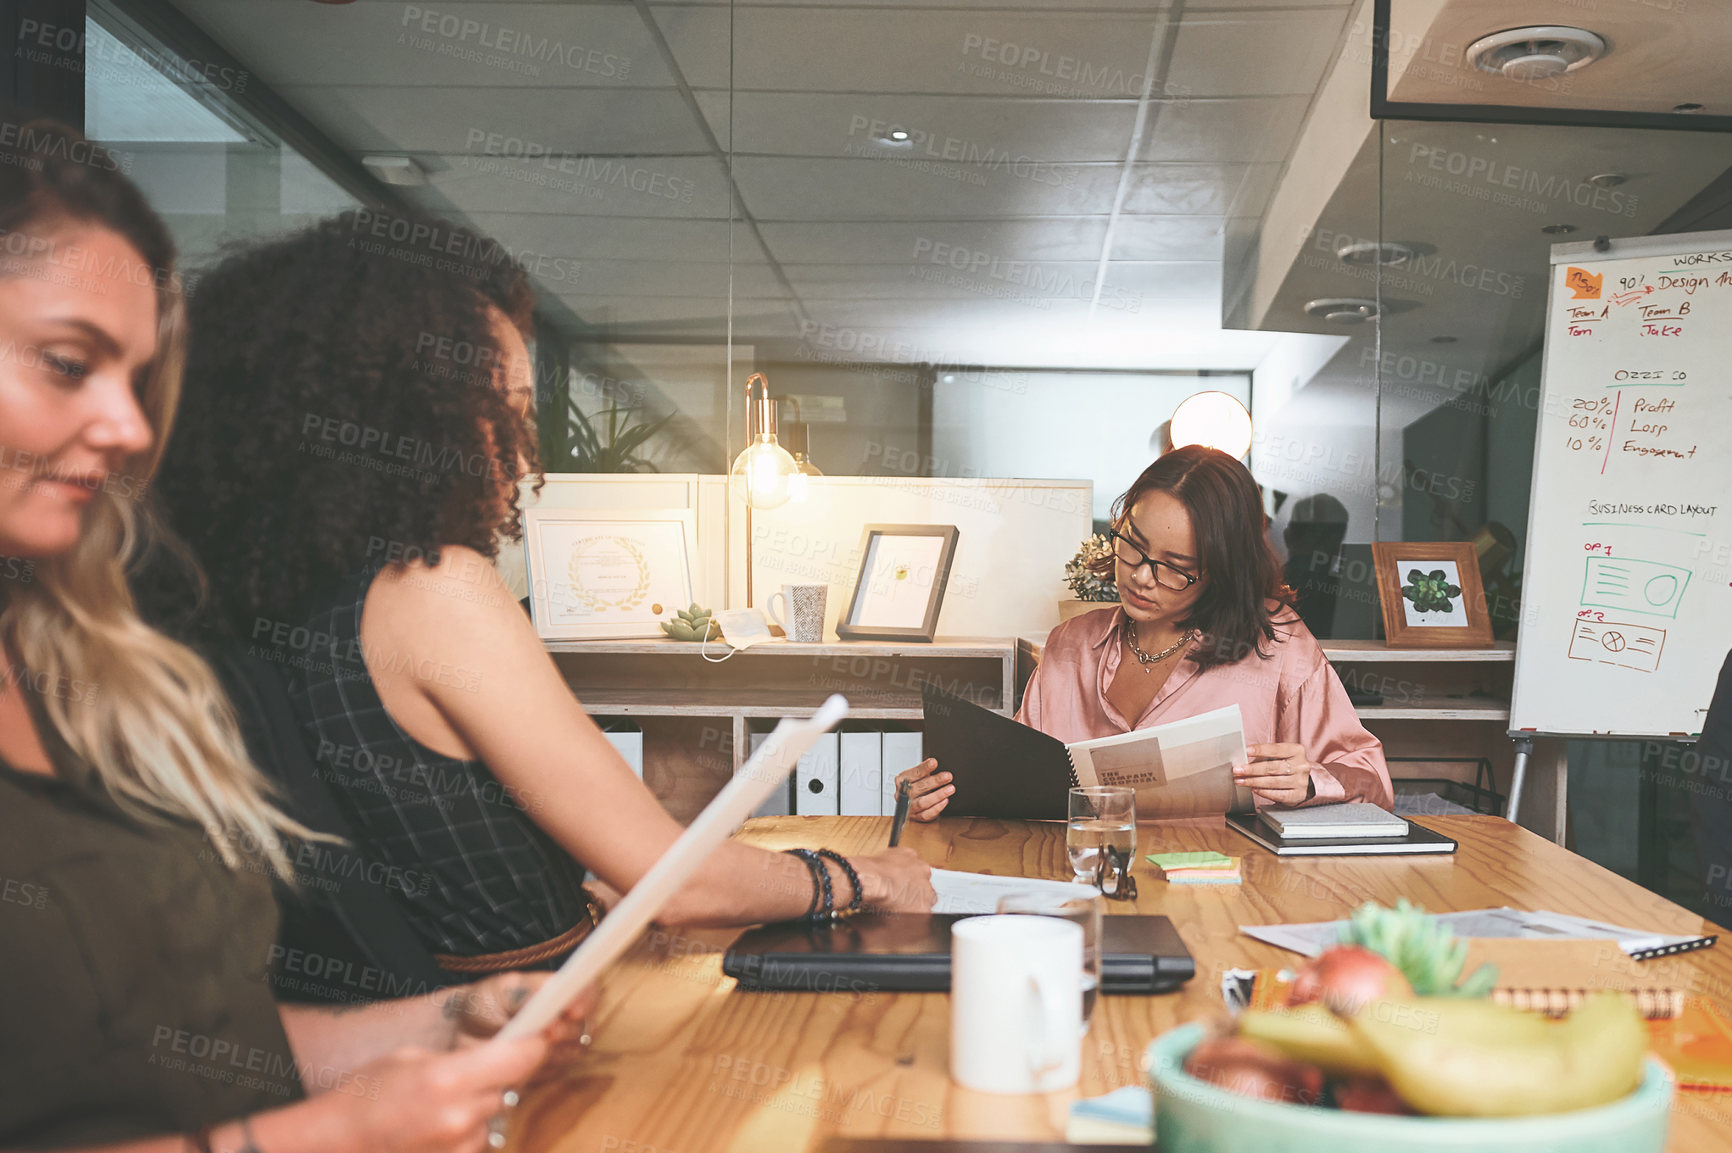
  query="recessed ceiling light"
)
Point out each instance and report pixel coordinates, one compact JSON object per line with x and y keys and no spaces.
{"x":1374,"y":252}
{"x":395,"y":170}
{"x":1342,"y":309}
{"x":1608,"y":179}
{"x":1687,"y":108}
{"x":896,"y":135}
{"x":1558,"y":229}
{"x":1536,"y":53}
{"x":1443,"y":340}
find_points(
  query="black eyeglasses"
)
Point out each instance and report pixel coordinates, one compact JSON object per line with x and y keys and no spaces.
{"x":1113,"y":875}
{"x":1172,"y":579}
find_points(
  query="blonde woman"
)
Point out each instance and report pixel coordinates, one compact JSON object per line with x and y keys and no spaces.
{"x":134,"y":1013}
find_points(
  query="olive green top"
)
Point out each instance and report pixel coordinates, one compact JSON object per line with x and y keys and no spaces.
{"x":133,"y":991}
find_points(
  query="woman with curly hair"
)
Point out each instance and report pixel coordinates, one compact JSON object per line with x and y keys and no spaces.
{"x":1204,"y":621}
{"x":356,"y":426}
{"x":136,"y":931}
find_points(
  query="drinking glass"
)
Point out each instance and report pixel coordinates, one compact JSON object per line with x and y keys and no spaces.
{"x":1085,"y":911}
{"x":1100,"y":816}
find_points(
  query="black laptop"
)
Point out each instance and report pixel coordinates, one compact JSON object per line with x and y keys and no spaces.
{"x":910,"y":953}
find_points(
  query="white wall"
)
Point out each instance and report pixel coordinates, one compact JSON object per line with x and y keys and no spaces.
{"x":1095,"y":426}
{"x":1007,"y":577}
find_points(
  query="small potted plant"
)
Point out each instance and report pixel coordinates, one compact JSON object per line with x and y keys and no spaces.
{"x":1089,"y":575}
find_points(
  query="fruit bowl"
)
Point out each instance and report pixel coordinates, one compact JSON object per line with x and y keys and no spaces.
{"x":1193,"y":1116}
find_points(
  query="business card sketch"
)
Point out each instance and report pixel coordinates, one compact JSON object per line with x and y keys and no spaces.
{"x":1637,"y":586}
{"x":1619,"y":643}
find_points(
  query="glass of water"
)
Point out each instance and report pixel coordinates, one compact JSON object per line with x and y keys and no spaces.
{"x":1085,"y":911}
{"x":1101,"y":817}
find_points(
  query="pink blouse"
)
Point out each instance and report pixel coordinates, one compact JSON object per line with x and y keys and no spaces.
{"x":1292,"y":695}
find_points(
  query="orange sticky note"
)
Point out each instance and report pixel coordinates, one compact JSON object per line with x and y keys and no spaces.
{"x":1586,"y":284}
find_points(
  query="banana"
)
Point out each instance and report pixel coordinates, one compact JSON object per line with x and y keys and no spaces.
{"x":1465,"y":1058}
{"x":1314,"y":1035}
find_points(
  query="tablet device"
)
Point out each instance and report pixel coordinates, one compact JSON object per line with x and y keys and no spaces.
{"x":750,"y":787}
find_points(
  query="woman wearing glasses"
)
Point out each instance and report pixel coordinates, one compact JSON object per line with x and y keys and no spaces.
{"x":1204,"y":621}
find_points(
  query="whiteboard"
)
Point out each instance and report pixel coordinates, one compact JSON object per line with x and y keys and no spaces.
{"x":1626,"y":605}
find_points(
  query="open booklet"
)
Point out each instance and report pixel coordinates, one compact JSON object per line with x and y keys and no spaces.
{"x":1001,"y":768}
{"x":1181,"y":769}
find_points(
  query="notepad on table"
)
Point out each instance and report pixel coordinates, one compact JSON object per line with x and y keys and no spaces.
{"x":1205,"y":868}
{"x":1348,"y":819}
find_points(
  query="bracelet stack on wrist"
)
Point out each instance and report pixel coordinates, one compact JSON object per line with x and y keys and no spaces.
{"x":822,"y":910}
{"x":855,"y":903}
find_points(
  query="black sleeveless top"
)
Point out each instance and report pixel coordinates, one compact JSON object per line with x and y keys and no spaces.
{"x":134,"y":991}
{"x":454,"y":847}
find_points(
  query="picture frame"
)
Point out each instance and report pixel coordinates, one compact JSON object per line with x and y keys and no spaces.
{"x":1431,"y":596}
{"x":607,"y":574}
{"x":899,"y":590}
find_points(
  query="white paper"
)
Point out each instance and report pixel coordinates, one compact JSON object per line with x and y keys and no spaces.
{"x":748,"y":789}
{"x":1505,"y":923}
{"x":979,"y":893}
{"x":1180,"y":769}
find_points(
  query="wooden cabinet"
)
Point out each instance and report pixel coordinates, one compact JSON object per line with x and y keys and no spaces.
{"x":698,"y":714}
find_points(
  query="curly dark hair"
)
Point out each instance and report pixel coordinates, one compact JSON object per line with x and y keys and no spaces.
{"x":342,"y":405}
{"x":1245,"y":595}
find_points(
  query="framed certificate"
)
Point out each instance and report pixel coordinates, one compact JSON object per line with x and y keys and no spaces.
{"x":903,"y":571}
{"x":598,"y":575}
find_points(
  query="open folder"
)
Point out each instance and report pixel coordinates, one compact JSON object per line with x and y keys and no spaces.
{"x":762,"y":774}
{"x":1005,"y":769}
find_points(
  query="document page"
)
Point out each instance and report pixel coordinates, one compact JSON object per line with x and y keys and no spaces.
{"x":976,"y":893}
{"x":1540,"y":925}
{"x":1182,"y":769}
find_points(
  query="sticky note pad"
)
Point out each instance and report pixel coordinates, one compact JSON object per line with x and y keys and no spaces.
{"x":1208,"y":860}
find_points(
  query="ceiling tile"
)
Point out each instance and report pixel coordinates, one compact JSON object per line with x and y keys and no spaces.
{"x":1167,"y":238}
{"x":654,"y":186}
{"x":511,"y":121}
{"x":893,"y":242}
{"x":435,"y":45}
{"x":1276,"y":53}
{"x":1259,"y":128}
{"x":1011,"y":133}
{"x":1066,"y":54}
{"x":1183,"y":189}
{"x":882,"y":189}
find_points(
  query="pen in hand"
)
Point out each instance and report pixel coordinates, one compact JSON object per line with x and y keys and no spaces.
{"x":901,"y":817}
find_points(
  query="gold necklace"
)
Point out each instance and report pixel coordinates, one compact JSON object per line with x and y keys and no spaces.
{"x":1145,"y":659}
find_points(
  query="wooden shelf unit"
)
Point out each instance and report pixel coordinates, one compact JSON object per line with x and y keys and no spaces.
{"x":697,"y":710}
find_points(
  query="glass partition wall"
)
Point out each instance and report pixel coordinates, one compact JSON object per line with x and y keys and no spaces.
{"x":974,"y":241}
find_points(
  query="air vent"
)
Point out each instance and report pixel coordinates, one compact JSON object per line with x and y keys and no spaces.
{"x":1342,"y":309}
{"x":1536,"y":53}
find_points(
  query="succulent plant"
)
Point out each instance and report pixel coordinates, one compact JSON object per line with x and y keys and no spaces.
{"x":1430,"y":592}
{"x":693,"y":624}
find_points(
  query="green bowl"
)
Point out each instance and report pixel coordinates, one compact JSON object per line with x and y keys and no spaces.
{"x":1193,"y":1116}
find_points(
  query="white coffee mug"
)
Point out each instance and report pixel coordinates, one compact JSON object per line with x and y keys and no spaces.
{"x":1016,"y":1003}
{"x":804,"y":606}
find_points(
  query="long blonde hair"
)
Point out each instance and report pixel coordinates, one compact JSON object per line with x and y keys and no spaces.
{"x":145,"y":712}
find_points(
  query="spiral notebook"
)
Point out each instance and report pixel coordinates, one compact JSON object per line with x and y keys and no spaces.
{"x":1001,"y":768}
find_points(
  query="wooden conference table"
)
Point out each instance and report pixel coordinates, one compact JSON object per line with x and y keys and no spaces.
{"x":684,"y":1064}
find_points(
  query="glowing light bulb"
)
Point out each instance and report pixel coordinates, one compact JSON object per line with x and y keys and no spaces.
{"x":1215,"y":419}
{"x":767,"y":470}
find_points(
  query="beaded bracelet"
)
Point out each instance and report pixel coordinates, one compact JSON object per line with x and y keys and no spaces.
{"x":820,"y":885}
{"x":853,"y":879}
